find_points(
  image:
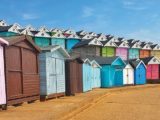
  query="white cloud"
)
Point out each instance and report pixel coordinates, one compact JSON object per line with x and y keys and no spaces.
{"x":145,"y":34}
{"x":87,"y":12}
{"x":27,"y":16}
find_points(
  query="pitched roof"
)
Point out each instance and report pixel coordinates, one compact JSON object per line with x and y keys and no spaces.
{"x":52,"y":48}
{"x":82,"y":43}
{"x":5,"y":28}
{"x":102,"y":60}
{"x":135,"y":62}
{"x":15,"y":39}
{"x":147,"y":60}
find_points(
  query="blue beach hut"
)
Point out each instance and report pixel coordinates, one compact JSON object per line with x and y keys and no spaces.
{"x":139,"y":71}
{"x":111,"y":72}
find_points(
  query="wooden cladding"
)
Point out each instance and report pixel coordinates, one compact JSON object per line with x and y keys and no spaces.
{"x":144,"y":53}
{"x":73,"y":77}
{"x":22,"y":75}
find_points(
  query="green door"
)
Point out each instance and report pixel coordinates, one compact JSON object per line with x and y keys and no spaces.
{"x":108,"y":51}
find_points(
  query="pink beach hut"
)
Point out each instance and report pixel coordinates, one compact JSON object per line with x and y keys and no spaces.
{"x":2,"y":75}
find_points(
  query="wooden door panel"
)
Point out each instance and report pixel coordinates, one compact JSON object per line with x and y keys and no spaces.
{"x":14,"y":85}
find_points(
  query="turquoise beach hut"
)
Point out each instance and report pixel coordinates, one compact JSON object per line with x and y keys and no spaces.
{"x":58,"y":38}
{"x":134,"y":49}
{"x":111,"y":72}
{"x":11,"y":30}
{"x":52,"y":71}
{"x":41,"y":38}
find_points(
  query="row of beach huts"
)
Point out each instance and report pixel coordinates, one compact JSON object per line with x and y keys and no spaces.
{"x":40,"y":64}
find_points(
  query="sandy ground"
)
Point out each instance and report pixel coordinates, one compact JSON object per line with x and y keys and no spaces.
{"x":127,"y":103}
{"x":141,"y":104}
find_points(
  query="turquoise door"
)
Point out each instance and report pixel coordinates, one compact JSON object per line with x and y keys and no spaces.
{"x":118,"y":77}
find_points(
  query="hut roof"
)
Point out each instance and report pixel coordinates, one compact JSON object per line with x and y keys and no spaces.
{"x":15,"y":39}
{"x":54,"y":48}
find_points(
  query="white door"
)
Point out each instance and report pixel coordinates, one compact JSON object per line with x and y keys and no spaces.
{"x":128,"y":76}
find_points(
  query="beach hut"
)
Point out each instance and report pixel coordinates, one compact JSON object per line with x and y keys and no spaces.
{"x":3,"y":23}
{"x":101,"y":37}
{"x":122,"y":49}
{"x":57,"y":38}
{"x":21,"y":69}
{"x":155,"y":50}
{"x":52,"y":71}
{"x":11,"y":30}
{"x":128,"y":74}
{"x":2,"y":75}
{"x":88,"y":47}
{"x":145,"y":50}
{"x":109,"y":48}
{"x":152,"y":72}
{"x":74,"y":71}
{"x":133,"y":52}
{"x":41,"y":38}
{"x":71,"y":41}
{"x":95,"y":74}
{"x":111,"y":71}
{"x":139,"y":71}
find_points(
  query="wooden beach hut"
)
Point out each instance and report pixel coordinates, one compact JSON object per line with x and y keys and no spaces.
{"x":21,"y":69}
{"x":52,"y":71}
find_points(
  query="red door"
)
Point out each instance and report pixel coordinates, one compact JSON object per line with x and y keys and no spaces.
{"x":152,"y":72}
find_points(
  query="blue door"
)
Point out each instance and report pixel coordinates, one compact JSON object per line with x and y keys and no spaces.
{"x":140,"y":75}
{"x":118,"y":77}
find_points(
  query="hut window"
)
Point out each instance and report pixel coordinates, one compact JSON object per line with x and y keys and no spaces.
{"x":58,"y":35}
{"x":74,"y":36}
{"x":157,"y":47}
{"x":87,"y":36}
{"x":110,"y":43}
{"x":124,"y":45}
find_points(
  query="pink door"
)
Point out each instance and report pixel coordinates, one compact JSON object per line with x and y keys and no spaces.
{"x":122,"y":52}
{"x":149,"y":71}
{"x":155,"y":71}
{"x":2,"y":79}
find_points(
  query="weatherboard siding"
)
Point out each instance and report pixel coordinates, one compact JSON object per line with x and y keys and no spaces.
{"x":133,"y":53}
{"x":122,"y":52}
{"x":70,"y":43}
{"x":8,"y":34}
{"x":144,"y":53}
{"x":42,"y":41}
{"x":108,"y":51}
{"x":58,"y":41}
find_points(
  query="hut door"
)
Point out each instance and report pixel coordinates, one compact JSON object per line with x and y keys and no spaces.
{"x":14,"y":73}
{"x":155,"y":71}
{"x":118,"y":77}
{"x":52,"y":83}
